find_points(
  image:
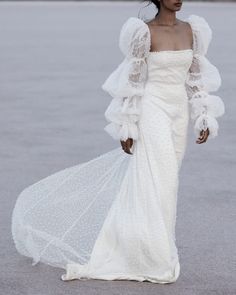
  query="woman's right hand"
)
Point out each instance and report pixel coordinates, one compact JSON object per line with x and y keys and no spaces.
{"x":126,"y":145}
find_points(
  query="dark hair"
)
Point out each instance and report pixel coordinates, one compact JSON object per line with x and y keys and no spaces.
{"x":157,"y":4}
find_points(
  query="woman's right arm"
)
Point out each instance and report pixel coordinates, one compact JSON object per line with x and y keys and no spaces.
{"x":126,"y":83}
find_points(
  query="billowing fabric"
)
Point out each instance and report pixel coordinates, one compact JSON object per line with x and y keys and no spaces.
{"x":114,"y":216}
{"x":203,"y":77}
{"x":126,"y":83}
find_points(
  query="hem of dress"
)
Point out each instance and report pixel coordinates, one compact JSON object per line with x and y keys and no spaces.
{"x":122,"y":276}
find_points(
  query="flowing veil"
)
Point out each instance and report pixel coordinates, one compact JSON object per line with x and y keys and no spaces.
{"x":57,"y":219}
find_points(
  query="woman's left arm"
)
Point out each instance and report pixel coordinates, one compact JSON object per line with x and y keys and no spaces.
{"x":203,"y":77}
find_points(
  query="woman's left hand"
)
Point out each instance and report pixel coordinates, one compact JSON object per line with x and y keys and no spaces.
{"x":203,"y":136}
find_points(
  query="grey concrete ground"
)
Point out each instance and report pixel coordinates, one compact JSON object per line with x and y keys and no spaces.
{"x":53,"y":59}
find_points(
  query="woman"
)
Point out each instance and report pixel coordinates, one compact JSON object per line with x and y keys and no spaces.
{"x":114,"y":217}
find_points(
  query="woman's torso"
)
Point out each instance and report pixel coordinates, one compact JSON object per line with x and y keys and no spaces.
{"x":167,"y":73}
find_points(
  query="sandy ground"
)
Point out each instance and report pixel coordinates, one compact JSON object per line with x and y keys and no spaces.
{"x":54,"y":58}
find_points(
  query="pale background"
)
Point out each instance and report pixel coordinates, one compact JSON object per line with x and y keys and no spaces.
{"x":54,"y":58}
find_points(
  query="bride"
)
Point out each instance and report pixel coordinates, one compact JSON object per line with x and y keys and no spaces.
{"x":114,"y":216}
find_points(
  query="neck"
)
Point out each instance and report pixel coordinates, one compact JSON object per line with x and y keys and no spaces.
{"x":166,"y":17}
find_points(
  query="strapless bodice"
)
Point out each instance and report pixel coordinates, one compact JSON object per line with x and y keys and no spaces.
{"x":169,"y":67}
{"x":167,"y":73}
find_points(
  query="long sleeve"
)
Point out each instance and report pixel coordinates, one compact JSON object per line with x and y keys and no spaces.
{"x":203,"y":77}
{"x":126,"y":83}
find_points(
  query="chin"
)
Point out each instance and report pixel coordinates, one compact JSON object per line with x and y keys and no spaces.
{"x":177,"y":9}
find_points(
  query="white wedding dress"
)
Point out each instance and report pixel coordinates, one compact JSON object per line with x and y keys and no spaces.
{"x":114,"y":216}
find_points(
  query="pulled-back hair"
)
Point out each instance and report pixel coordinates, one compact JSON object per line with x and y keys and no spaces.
{"x":157,"y":4}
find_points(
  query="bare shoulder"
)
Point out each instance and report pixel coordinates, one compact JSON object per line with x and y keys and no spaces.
{"x":150,"y":23}
{"x":186,"y":27}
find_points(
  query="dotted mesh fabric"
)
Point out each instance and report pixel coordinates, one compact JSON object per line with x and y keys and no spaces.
{"x":57,"y":219}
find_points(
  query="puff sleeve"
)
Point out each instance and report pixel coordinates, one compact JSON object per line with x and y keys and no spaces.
{"x":203,"y":77}
{"x":126,"y":83}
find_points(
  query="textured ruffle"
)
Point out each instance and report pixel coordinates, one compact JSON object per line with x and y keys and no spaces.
{"x":202,"y":33}
{"x":204,"y":103}
{"x":205,"y":108}
{"x":119,"y":83}
{"x":126,"y":83}
{"x":122,"y":132}
{"x":203,"y":77}
{"x":123,"y":115}
{"x":135,"y":39}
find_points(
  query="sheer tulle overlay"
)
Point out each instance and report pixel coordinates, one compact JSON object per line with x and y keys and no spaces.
{"x":114,"y":217}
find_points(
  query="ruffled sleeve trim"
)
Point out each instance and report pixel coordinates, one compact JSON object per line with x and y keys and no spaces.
{"x":126,"y":83}
{"x":203,"y":77}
